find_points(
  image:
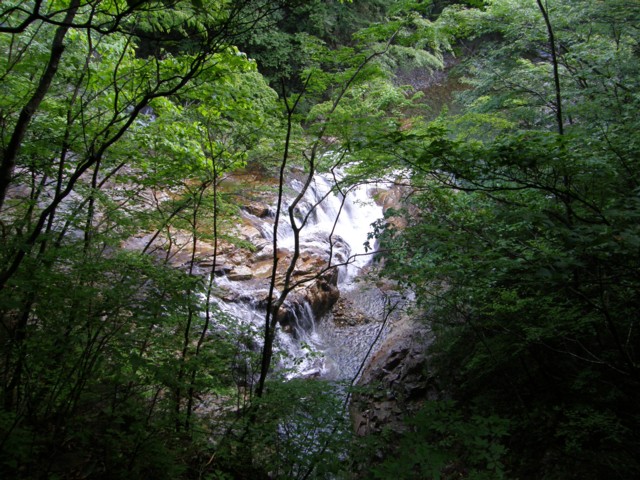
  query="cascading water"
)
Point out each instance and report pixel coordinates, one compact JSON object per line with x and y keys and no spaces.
{"x":337,"y":229}
{"x":346,"y":216}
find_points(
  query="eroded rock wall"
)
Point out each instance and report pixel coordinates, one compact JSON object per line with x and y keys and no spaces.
{"x":395,"y":382}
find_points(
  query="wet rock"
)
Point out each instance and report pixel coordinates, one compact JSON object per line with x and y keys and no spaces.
{"x":262,"y":270}
{"x":319,"y":296}
{"x":265,"y":252}
{"x":250,"y":233}
{"x":397,"y":379}
{"x":345,"y":313}
{"x":238,"y":274}
{"x":221,"y":270}
{"x":259,"y":210}
{"x":322,"y":295}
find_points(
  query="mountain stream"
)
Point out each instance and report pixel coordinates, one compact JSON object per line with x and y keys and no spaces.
{"x":338,"y":229}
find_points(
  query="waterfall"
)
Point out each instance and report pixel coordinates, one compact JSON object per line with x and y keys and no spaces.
{"x":348,"y":213}
{"x":337,"y":229}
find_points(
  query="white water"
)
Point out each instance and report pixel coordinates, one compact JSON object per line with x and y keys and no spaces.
{"x":338,"y":226}
{"x":346,"y":215}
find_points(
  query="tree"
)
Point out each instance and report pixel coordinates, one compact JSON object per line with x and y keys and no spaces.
{"x":355,"y":103}
{"x":90,"y":330}
{"x":521,"y":237}
{"x":301,"y":33}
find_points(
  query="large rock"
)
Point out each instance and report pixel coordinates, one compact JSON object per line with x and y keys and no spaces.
{"x":256,"y":209}
{"x":398,"y":381}
{"x":322,"y":295}
{"x":241,"y":273}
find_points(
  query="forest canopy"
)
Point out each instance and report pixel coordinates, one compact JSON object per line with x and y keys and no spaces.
{"x":511,"y":131}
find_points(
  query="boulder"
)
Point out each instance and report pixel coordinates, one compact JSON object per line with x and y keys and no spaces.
{"x":322,"y":295}
{"x":256,"y":209}
{"x":241,"y":273}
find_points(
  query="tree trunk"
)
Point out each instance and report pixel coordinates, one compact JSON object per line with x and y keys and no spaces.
{"x":10,"y":154}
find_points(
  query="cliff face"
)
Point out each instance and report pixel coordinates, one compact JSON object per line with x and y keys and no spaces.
{"x":395,"y":382}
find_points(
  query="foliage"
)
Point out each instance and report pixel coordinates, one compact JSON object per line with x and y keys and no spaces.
{"x":284,"y":51}
{"x":441,"y":444}
{"x":139,"y":111}
{"x":119,"y":121}
{"x":522,"y":242}
{"x":300,"y":431}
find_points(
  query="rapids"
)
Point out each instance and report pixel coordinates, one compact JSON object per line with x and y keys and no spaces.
{"x":339,"y":224}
